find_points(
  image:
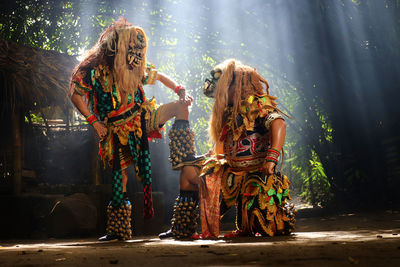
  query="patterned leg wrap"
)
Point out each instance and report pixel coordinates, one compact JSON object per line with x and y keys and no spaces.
{"x":117,"y":194}
{"x":184,"y":220}
{"x":119,"y":220}
{"x":181,"y":146}
{"x":291,"y":213}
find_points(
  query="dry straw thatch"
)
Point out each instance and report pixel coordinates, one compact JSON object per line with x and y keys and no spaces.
{"x":32,"y":78}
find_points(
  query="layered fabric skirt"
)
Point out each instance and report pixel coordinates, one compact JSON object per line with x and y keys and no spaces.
{"x":261,"y":200}
{"x":126,"y":143}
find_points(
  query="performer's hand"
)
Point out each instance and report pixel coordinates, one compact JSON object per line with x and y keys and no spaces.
{"x":268,"y":167}
{"x":209,"y":153}
{"x":183,"y":97}
{"x":100,"y":129}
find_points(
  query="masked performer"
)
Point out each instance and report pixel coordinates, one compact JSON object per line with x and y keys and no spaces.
{"x":248,"y":132}
{"x":111,"y":78}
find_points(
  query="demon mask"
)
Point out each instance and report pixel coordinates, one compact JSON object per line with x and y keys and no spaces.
{"x":210,"y":85}
{"x":136,"y":51}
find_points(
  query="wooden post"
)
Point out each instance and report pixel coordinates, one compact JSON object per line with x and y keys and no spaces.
{"x":96,"y":170}
{"x":96,"y":165}
{"x":17,"y":151}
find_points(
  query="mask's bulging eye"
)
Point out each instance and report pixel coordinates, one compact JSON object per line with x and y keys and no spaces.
{"x":215,"y":74}
{"x":140,"y":41}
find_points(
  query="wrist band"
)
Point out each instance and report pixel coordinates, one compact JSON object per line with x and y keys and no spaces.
{"x":91,"y":119}
{"x":268,"y":159}
{"x":272,"y":155}
{"x":178,"y":89}
{"x":274,"y":151}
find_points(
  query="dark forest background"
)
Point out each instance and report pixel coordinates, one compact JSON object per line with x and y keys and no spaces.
{"x":334,"y":65}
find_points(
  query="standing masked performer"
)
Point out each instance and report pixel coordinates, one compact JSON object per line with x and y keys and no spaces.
{"x":111,"y":79}
{"x":248,"y":133}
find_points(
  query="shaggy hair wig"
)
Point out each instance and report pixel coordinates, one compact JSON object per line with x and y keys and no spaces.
{"x":111,"y":50}
{"x":244,"y":81}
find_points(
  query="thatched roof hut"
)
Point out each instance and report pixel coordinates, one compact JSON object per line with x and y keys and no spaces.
{"x":31,"y":78}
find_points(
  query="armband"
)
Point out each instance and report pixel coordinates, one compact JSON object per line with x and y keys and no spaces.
{"x":91,"y":119}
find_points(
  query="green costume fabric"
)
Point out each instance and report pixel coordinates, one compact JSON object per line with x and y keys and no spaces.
{"x":98,"y":87}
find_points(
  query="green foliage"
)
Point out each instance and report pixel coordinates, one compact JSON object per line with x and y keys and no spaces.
{"x":34,"y":118}
{"x":72,"y":26}
{"x":56,"y":24}
{"x":315,"y":186}
{"x":318,"y":183}
{"x":186,"y":48}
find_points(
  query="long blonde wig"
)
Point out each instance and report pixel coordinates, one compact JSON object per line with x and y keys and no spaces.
{"x":111,"y":50}
{"x":128,"y":79}
{"x":244,"y":81}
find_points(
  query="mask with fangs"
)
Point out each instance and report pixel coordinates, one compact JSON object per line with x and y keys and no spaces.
{"x":136,"y":51}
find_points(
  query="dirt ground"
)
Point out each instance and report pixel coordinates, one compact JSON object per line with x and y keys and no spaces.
{"x":364,"y":239}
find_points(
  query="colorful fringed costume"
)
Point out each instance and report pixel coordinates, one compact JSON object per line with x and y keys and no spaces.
{"x":111,"y":76}
{"x":234,"y":174}
{"x":126,"y":143}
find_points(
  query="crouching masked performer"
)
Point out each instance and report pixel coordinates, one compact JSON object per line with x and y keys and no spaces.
{"x":111,"y":78}
{"x":248,"y":132}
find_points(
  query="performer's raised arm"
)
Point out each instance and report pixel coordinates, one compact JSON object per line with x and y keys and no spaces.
{"x":178,"y":89}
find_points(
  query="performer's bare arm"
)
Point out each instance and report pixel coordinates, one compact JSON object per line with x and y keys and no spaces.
{"x":170,"y":83}
{"x":99,"y":127}
{"x":167,"y":81}
{"x":278,"y":134}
